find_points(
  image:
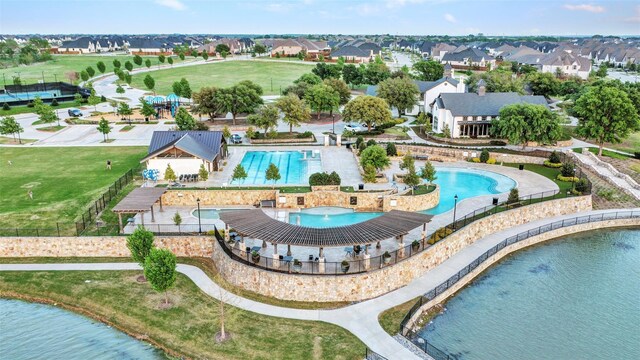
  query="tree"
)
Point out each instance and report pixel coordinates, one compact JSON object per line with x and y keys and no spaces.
{"x":259,"y":48}
{"x":326,"y":71}
{"x":407,"y":162}
{"x":177,"y":219}
{"x":161,"y":58}
{"x":368,"y":109}
{"x":605,"y":114}
{"x":375,"y":72}
{"x":84,"y":75}
{"x":120,"y":90}
{"x":140,"y":243}
{"x":94,"y":100}
{"x":181,"y":56}
{"x":185,"y":88}
{"x":351,"y":75}
{"x":295,"y":110}
{"x":321,"y":98}
{"x":47,"y":115}
{"x":400,"y":93}
{"x":125,"y":110}
{"x":116,"y":63}
{"x":170,"y":60}
{"x":265,"y":118}
{"x":177,"y":88}
{"x":208,"y":101}
{"x":428,"y":172}
{"x":205,"y":56}
{"x":77,"y":99}
{"x":428,"y":70}
{"x":411,"y":178}
{"x":203,"y":173}
{"x":309,"y":78}
{"x":544,"y":84}
{"x":222,"y":48}
{"x":73,"y":76}
{"x":128,"y":78}
{"x":160,"y":270}
{"x":104,"y":128}
{"x":137,"y":59}
{"x":9,"y":125}
{"x":391,"y":149}
{"x":239,"y":173}
{"x":369,"y":173}
{"x":101,"y":67}
{"x":169,"y":174}
{"x":147,"y":63}
{"x":521,"y":123}
{"x":602,"y":71}
{"x":128,"y":65}
{"x":243,"y":97}
{"x":184,"y":120}
{"x":375,"y":156}
{"x":340,"y":87}
{"x":149,"y":82}
{"x":147,"y":109}
{"x":226,"y":132}
{"x":272,"y":173}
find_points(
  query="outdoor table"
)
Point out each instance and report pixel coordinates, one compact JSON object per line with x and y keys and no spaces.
{"x":287,"y":259}
{"x":256,"y":249}
{"x":233,"y":234}
{"x":349,"y":251}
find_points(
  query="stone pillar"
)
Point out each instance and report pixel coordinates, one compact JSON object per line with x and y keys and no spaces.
{"x":288,"y":250}
{"x":400,"y":245}
{"x":326,"y":140}
{"x":367,"y":261}
{"x":321,"y":253}
{"x":276,"y":257}
{"x":378,"y":246}
{"x":339,"y":140}
{"x":243,"y":247}
{"x":321,"y":265}
{"x":226,"y":233}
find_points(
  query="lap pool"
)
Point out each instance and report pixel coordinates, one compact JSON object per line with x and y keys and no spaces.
{"x":466,"y":183}
{"x":294,"y":166}
{"x":9,"y":97}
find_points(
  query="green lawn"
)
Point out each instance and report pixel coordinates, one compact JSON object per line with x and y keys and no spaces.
{"x":61,"y":64}
{"x":8,"y":140}
{"x":630,"y":144}
{"x":64,"y":181}
{"x":23,"y":109}
{"x":272,"y":76}
{"x":549,"y":173}
{"x":189,"y":327}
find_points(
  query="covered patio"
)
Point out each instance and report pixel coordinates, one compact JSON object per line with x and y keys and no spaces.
{"x":139,"y":201}
{"x":254,"y":236}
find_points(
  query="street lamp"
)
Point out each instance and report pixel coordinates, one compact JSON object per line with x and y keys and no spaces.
{"x":333,"y":124}
{"x":199,"y":221}
{"x":455,"y":206}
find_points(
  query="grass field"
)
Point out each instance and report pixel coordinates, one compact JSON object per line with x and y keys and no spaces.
{"x":630,"y":144}
{"x":64,"y":181}
{"x":62,"y":64}
{"x":189,"y":327}
{"x":272,"y":76}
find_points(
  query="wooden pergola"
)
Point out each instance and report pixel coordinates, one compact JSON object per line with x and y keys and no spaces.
{"x":138,"y":202}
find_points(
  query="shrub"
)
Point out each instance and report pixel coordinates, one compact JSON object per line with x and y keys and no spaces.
{"x":6,"y":106}
{"x":304,"y":135}
{"x":391,"y":149}
{"x":607,"y":194}
{"x":554,"y":158}
{"x":30,"y":104}
{"x":272,"y":134}
{"x":560,"y":177}
{"x":582,"y":186}
{"x":251,"y":133}
{"x":362,"y":146}
{"x":369,"y":174}
{"x":491,"y":161}
{"x":475,"y":160}
{"x":322,"y":178}
{"x":497,"y":143}
{"x":514,"y":196}
{"x":359,"y":140}
{"x":439,"y":235}
{"x":54,"y":102}
{"x":201,"y":126}
{"x":371,"y":142}
{"x":567,"y":170}
{"x":484,"y":155}
{"x":177,"y":219}
{"x":103,"y":98}
{"x":549,"y":164}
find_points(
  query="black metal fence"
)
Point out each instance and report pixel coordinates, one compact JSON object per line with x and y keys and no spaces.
{"x":438,"y":354}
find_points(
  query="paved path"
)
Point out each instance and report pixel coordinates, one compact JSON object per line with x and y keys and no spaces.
{"x":361,"y":318}
{"x":614,"y":177}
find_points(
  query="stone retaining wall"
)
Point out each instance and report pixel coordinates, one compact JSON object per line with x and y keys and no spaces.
{"x":513,"y":248}
{"x":99,"y":246}
{"x":368,"y":285}
{"x":449,"y":154}
{"x":217,"y":197}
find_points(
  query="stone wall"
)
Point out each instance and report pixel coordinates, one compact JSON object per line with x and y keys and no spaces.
{"x":449,"y":154}
{"x":366,"y":201}
{"x":217,"y":197}
{"x":99,"y":246}
{"x":515,"y":247}
{"x":411,"y":202}
{"x":368,"y":285}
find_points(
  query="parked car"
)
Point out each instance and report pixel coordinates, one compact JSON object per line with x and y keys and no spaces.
{"x":74,"y":112}
{"x":236,"y":139}
{"x":352,"y":127}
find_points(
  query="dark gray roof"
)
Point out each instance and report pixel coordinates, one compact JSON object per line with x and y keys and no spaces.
{"x":422,"y":85}
{"x":351,"y":50}
{"x":143,"y":43}
{"x":203,"y":144}
{"x":80,"y":43}
{"x":472,"y":104}
{"x":470,"y":53}
{"x":258,"y":225}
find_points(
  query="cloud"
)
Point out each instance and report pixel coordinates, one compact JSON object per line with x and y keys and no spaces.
{"x":278,"y":7}
{"x":173,"y":4}
{"x":450,"y":18}
{"x":636,"y":18}
{"x":585,"y":7}
{"x":365,"y":9}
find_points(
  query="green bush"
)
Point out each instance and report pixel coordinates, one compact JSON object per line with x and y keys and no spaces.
{"x":322,"y":178}
{"x":550,"y":164}
{"x":491,"y":161}
{"x":371,"y":142}
{"x":391,"y":149}
{"x":497,"y":143}
{"x":304,"y":135}
{"x":484,"y":155}
{"x":567,"y":170}
{"x":30,"y":104}
{"x":582,"y":186}
{"x":554,"y":158}
{"x":54,"y":102}
{"x":560,"y":177}
{"x":359,"y":140}
{"x":6,"y":106}
{"x":439,"y":235}
{"x":514,"y":196}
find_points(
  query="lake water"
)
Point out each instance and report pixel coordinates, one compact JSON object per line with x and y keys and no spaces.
{"x":36,"y":331}
{"x":572,"y":298}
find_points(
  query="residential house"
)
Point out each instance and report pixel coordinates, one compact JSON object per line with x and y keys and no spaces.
{"x":185,"y":151}
{"x":441,"y":49}
{"x":354,"y":54}
{"x":468,"y":58}
{"x":470,"y":114}
{"x":82,"y":45}
{"x":147,"y":46}
{"x":292,"y":47}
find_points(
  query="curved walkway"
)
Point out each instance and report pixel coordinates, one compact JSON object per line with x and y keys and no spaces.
{"x":361,"y":319}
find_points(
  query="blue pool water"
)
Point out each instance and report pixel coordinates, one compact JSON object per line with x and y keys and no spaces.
{"x":36,"y":331}
{"x":294,"y":166}
{"x":210,"y":214}
{"x":466,"y":183}
{"x":573,"y":298}
{"x":9,"y":97}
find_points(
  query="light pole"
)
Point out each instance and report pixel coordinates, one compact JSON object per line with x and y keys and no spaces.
{"x":455,"y":206}
{"x":199,"y":221}
{"x":333,"y":124}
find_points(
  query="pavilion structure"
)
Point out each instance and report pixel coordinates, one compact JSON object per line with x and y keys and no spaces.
{"x":256,"y":224}
{"x":139,"y":201}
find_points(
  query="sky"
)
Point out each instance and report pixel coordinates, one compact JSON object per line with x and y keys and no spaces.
{"x":396,"y":17}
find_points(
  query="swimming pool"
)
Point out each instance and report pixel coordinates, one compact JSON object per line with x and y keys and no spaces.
{"x":210,"y":214}
{"x":9,"y":97}
{"x":466,"y":183}
{"x":294,"y":166}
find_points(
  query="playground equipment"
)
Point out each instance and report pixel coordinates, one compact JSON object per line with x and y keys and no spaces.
{"x":169,"y":103}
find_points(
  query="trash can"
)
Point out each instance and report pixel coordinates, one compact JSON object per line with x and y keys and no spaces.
{"x":348,"y":145}
{"x":521,"y":166}
{"x":495,"y":201}
{"x":360,"y":186}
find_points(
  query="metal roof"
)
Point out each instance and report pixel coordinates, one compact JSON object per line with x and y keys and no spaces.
{"x":203,"y":144}
{"x":258,"y":225}
{"x":489,"y":104}
{"x":139,"y":200}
